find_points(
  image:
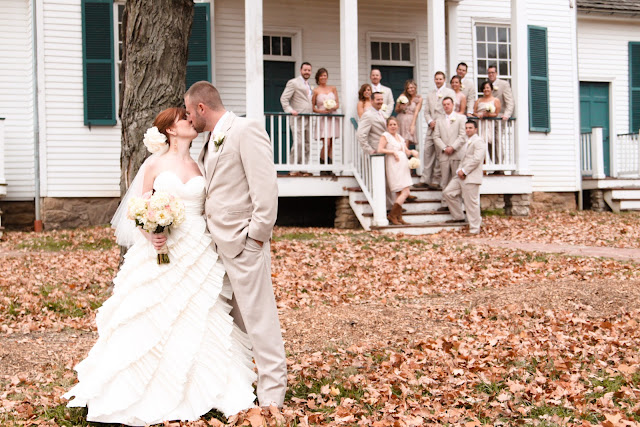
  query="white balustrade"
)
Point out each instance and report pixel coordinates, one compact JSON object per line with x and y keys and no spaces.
{"x":501,"y":145}
{"x":627,"y":149}
{"x":585,"y":154}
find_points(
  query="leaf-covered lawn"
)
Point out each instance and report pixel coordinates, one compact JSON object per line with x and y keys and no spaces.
{"x":379,"y":329}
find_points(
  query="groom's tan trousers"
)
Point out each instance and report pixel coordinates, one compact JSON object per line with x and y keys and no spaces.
{"x":249,"y":275}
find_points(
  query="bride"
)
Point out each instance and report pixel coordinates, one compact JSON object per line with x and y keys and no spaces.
{"x":168,"y":348}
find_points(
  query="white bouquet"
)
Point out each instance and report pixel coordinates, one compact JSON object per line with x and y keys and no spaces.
{"x":154,"y":140}
{"x":491,"y":108}
{"x":329,"y":104}
{"x":414,"y":163}
{"x":156,"y":212}
{"x":403,"y":99}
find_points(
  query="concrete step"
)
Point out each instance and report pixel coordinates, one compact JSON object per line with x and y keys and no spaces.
{"x":422,"y":217}
{"x":629,"y":205}
{"x":419,"y":206}
{"x":625,"y":193}
{"x":417,"y":229}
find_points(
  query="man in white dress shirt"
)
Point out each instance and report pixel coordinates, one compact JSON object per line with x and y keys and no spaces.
{"x":296,"y":99}
{"x":376,"y":86}
{"x":468,"y":87}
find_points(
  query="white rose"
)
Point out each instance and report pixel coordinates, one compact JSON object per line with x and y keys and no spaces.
{"x":155,"y":141}
{"x":414,"y":163}
{"x":329,"y":104}
{"x":403,"y":99}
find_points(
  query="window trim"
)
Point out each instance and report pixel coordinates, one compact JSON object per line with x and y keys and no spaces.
{"x":296,"y":45}
{"x":412,"y":39}
{"x":486,"y":23}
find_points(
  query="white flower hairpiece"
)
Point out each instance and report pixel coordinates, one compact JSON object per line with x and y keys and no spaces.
{"x":154,"y":140}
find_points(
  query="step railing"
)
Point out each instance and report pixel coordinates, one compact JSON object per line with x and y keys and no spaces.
{"x":627,"y":149}
{"x":369,"y":172}
{"x":299,"y":142}
{"x":585,"y":154}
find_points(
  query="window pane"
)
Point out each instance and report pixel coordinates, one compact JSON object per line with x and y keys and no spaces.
{"x":480,"y":34}
{"x":502,"y":34}
{"x":375,"y":50}
{"x":395,"y":51}
{"x":491,"y":34}
{"x":482,"y":50}
{"x":275,"y":46}
{"x":286,"y":46}
{"x":502,"y":51}
{"x":503,"y":68}
{"x":406,"y":52}
{"x":266,"y":45}
{"x":482,"y":67}
{"x":492,"y":51}
{"x":386,"y":54}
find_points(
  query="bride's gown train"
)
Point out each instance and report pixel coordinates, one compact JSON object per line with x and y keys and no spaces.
{"x":168,"y":348}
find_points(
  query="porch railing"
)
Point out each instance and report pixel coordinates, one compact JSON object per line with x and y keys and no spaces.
{"x":592,"y":154}
{"x":627,"y":150}
{"x":369,"y":172}
{"x":501,"y":143}
{"x":307,"y":142}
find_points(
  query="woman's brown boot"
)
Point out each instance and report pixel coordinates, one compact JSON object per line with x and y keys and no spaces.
{"x":396,"y":211}
{"x":399,"y":217}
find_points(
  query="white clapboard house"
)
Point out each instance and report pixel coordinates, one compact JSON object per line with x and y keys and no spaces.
{"x":574,"y":66}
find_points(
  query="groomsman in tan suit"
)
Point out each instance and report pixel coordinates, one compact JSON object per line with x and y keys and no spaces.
{"x":376,"y":86}
{"x":449,"y":137}
{"x":465,"y":186}
{"x":468,"y":87}
{"x":432,"y":112}
{"x":372,"y":124}
{"x":502,"y":91}
{"x":241,"y":207}
{"x":296,"y":99}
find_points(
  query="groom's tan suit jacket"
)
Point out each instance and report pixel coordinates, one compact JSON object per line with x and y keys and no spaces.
{"x":242,"y":192}
{"x":296,"y":97}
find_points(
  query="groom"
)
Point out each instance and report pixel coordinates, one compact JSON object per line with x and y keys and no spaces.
{"x":241,"y":207}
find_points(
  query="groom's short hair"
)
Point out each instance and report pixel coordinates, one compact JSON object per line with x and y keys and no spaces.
{"x":205,"y":93}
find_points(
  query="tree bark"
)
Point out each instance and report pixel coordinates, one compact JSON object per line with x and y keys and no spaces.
{"x":154,"y":66}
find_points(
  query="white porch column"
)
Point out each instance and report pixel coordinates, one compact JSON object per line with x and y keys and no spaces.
{"x":452,"y":31}
{"x":520,"y":82}
{"x":348,"y":70}
{"x":254,"y":65}
{"x":3,"y":181}
{"x":437,"y":40}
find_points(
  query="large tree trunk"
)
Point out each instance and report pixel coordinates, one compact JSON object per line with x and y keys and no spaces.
{"x":154,"y":64}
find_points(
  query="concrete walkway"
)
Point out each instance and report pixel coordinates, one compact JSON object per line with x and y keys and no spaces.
{"x":623,"y":254}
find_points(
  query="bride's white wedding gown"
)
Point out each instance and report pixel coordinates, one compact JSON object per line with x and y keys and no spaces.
{"x":167,"y":348}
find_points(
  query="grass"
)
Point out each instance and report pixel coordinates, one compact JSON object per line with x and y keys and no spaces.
{"x":294,"y":236}
{"x":46,"y":243}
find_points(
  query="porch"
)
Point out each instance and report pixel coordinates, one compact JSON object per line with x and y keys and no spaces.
{"x":621,"y":190}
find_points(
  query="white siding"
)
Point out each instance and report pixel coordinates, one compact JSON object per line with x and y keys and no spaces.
{"x":228,"y":64}
{"x":80,"y":162}
{"x":603,"y":55}
{"x":16,"y":97}
{"x":552,"y":156}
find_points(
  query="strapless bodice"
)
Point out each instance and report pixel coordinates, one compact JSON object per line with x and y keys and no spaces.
{"x":192,"y":192}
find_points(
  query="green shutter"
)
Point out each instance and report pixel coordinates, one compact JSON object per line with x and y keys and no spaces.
{"x":98,"y":62}
{"x":199,"y":60}
{"x":539,"y":114}
{"x":634,"y":87}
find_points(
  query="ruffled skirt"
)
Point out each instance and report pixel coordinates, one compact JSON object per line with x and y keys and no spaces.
{"x":168,"y":348}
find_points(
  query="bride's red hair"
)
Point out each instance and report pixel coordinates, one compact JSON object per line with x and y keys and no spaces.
{"x":166,"y":118}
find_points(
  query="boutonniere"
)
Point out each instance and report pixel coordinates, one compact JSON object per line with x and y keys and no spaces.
{"x":452,"y":118}
{"x":440,"y":95}
{"x":218,"y":140}
{"x":461,"y":87}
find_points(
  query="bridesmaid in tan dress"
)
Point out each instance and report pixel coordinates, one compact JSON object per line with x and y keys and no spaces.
{"x":393,"y":145}
{"x":408,"y":112}
{"x":327,"y":127}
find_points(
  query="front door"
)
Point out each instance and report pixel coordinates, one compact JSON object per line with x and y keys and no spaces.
{"x":394,"y":77}
{"x":594,"y":112}
{"x":276,"y":76}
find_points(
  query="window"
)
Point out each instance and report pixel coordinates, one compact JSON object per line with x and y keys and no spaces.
{"x":101,"y":42}
{"x":634,"y":86}
{"x":539,"y":116}
{"x":390,"y":51}
{"x":277,"y":46}
{"x":493,"y":47}
{"x":98,"y":67}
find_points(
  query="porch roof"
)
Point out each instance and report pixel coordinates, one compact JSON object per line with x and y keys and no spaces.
{"x":607,"y":7}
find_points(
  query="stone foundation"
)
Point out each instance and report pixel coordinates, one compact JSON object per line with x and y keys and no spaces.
{"x":77,"y":212}
{"x":345,"y":217}
{"x":597,"y":200}
{"x":18,"y":215}
{"x":554,"y":201}
{"x":517,"y":204}
{"x":491,"y":202}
